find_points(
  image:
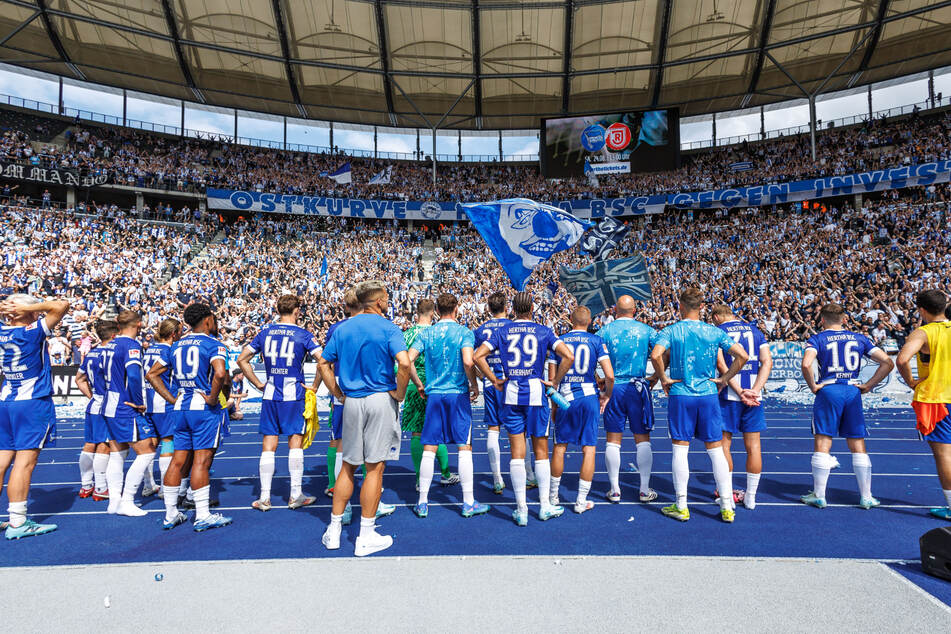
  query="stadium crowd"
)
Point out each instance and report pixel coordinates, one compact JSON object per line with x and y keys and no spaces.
{"x":143,"y":159}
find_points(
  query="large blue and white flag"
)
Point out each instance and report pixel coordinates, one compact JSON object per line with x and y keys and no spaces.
{"x":342,"y":174}
{"x":599,"y":285}
{"x":603,"y":238}
{"x":382,"y":177}
{"x":522,"y":233}
{"x":741,"y":166}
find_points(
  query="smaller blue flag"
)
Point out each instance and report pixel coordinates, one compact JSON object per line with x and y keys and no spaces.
{"x":599,"y":285}
{"x":323,"y":267}
{"x":600,"y":241}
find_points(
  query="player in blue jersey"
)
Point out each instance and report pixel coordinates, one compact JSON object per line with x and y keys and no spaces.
{"x":629,"y":344}
{"x":197,"y":362}
{"x":451,"y":386}
{"x":578,"y":425}
{"x":91,"y":381}
{"x":691,"y":346}
{"x":491,"y":398}
{"x":334,"y":458}
{"x":740,"y":402}
{"x":837,"y":410}
{"x":523,"y":347}
{"x":371,"y":388}
{"x":27,"y":416}
{"x":284,"y":346}
{"x":123,"y":411}
{"x":160,"y":413}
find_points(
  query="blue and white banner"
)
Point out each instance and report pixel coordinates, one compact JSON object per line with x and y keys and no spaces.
{"x":602,"y":239}
{"x":342,"y":174}
{"x":522,"y":233}
{"x":594,"y":208}
{"x":741,"y":166}
{"x":382,"y":177}
{"x":599,"y":285}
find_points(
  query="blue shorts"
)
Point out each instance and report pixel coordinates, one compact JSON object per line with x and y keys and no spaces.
{"x":96,"y":430}
{"x":578,"y":425}
{"x":131,"y":429}
{"x":336,"y":422}
{"x":697,"y":417}
{"x":492,"y":400}
{"x":531,"y":420}
{"x":27,"y":424}
{"x":740,"y":418}
{"x":164,"y":423}
{"x":199,"y":429}
{"x":630,"y":403}
{"x":448,"y":420}
{"x":282,"y":418}
{"x":942,"y":431}
{"x":838,"y":412}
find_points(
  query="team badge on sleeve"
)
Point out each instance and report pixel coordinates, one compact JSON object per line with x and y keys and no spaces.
{"x":133,"y":353}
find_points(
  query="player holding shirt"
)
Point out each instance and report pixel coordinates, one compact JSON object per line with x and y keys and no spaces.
{"x":837,"y":410}
{"x":414,"y":408}
{"x":694,"y":410}
{"x":27,"y":416}
{"x":523,"y":347}
{"x":491,"y":397}
{"x":629,"y":343}
{"x":285,"y":347}
{"x":932,"y":344}
{"x":123,"y":409}
{"x":451,"y":386}
{"x":579,"y":424}
{"x":334,"y":459}
{"x":740,"y":401}
{"x":91,"y":381}
{"x":197,"y":362}
{"x":162,"y":415}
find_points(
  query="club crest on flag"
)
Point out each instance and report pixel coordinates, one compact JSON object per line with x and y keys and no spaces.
{"x":602,"y":239}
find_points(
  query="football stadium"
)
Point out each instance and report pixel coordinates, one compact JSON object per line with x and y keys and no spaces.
{"x":313,"y":311}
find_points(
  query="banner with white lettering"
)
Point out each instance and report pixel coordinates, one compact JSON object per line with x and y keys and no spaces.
{"x":51,"y":176}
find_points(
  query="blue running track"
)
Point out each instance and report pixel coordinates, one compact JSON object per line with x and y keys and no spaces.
{"x":904,"y":480}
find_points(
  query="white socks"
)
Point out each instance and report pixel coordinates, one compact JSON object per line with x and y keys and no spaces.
{"x":86,"y":459}
{"x":492,"y":448}
{"x":612,"y":462}
{"x":295,"y":464}
{"x":517,"y":473}
{"x":723,"y":476}
{"x":338,"y":464}
{"x":171,"y":502}
{"x":529,"y":471}
{"x":163,"y":463}
{"x":645,"y":461}
{"x":266,"y":471}
{"x":584,"y":486}
{"x":149,"y":480}
{"x":752,"y":484}
{"x":947,"y":497}
{"x":17,"y":512}
{"x":114,"y":478}
{"x":862,"y":467}
{"x":543,"y":474}
{"x":133,"y":477}
{"x":427,"y":467}
{"x":555,"y":485}
{"x":681,"y":473}
{"x":99,"y":464}
{"x":465,"y":476}
{"x":367,"y":525}
{"x":821,"y":465}
{"x":201,"y":502}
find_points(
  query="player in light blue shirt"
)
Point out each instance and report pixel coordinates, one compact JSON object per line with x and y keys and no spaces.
{"x":740,"y":400}
{"x":285,"y":347}
{"x":27,"y":416}
{"x":451,"y":386}
{"x":578,"y":424}
{"x":523,"y":347}
{"x":837,"y":410}
{"x":198,"y":364}
{"x":629,"y":343}
{"x":690,"y":347}
{"x":492,"y":398}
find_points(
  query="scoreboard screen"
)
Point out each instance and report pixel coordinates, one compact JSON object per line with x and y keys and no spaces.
{"x":622,"y":143}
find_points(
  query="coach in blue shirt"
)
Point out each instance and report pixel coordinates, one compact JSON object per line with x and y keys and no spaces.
{"x":364,"y":349}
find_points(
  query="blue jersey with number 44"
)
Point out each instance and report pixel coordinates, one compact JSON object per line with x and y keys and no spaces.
{"x":191,"y":358}
{"x":839,"y":355}
{"x":284,"y":348}
{"x":751,"y":339}
{"x":523,"y":349}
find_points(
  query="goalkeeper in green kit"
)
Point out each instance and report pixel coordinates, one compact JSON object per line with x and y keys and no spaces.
{"x":414,"y":407}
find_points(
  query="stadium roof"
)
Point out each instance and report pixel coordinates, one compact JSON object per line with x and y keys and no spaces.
{"x":488,"y":63}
